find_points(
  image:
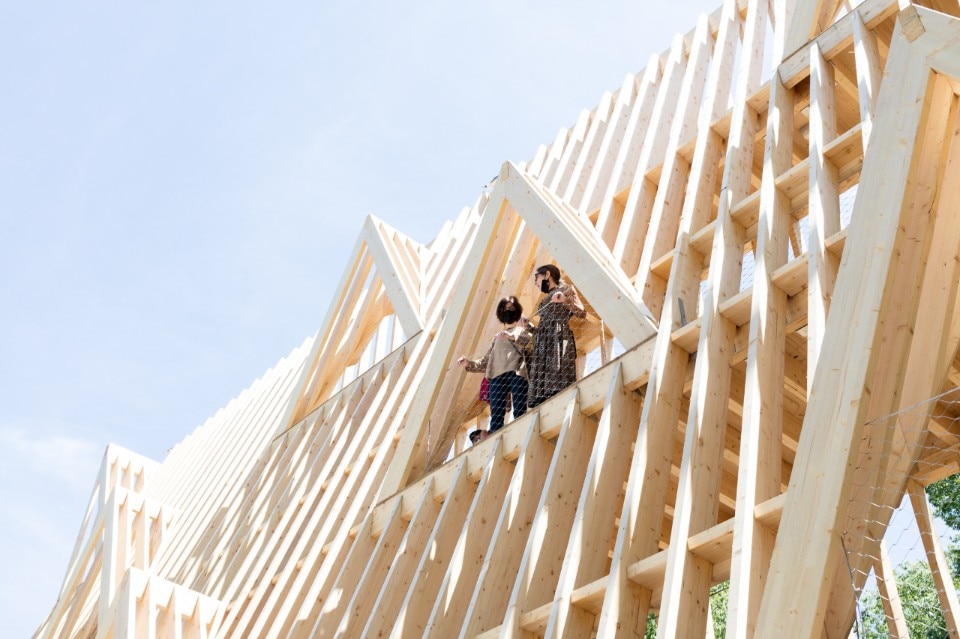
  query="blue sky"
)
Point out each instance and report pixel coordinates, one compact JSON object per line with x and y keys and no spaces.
{"x":181,"y":184}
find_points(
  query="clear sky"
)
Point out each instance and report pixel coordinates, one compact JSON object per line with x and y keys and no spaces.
{"x":181,"y":184}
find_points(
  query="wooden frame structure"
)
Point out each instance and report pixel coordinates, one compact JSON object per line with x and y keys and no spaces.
{"x":741,"y":429}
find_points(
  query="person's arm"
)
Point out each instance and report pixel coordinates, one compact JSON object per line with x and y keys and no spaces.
{"x":574,"y":304}
{"x":570,"y":300}
{"x":525,"y":344}
{"x":527,"y":325}
{"x":522,"y":337}
{"x":475,"y":365}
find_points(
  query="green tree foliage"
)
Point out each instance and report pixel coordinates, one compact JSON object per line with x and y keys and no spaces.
{"x":953,"y":558}
{"x":651,"y":631}
{"x":944,"y":495}
{"x":718,"y":608}
{"x":719,"y":597}
{"x":921,"y":606}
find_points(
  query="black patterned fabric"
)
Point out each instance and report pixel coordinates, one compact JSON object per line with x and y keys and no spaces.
{"x":554,"y":363}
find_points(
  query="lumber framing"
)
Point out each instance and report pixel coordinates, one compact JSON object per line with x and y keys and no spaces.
{"x":764,"y":225}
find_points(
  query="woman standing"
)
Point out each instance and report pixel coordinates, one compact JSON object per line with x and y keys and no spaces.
{"x":505,"y":364}
{"x":554,"y":363}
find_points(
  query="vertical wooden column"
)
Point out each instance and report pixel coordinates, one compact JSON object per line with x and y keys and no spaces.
{"x":625,"y":605}
{"x":586,"y":198}
{"x":762,"y":425}
{"x":542,"y":560}
{"x":939,"y":566}
{"x":890,"y":595}
{"x":366,"y":555}
{"x":636,"y":211}
{"x":571,"y":151}
{"x":408,"y":592}
{"x":865,"y":337}
{"x":588,"y":156}
{"x":396,"y":557}
{"x":683,"y":611}
{"x":823,"y":216}
{"x":110,"y":568}
{"x":554,"y":154}
{"x":141,"y":537}
{"x":124,"y":623}
{"x":869,"y":74}
{"x":501,"y":561}
{"x":664,"y":221}
{"x":591,"y":533}
{"x":610,"y":210}
{"x":448,"y":609}
{"x":781,"y":14}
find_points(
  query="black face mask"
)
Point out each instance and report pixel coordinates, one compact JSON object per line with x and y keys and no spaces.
{"x":544,"y":285}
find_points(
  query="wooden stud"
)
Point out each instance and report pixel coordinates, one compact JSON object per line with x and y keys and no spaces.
{"x":761,"y":430}
{"x":939,"y":566}
{"x":592,"y":532}
{"x":665,"y":218}
{"x":448,"y":608}
{"x":407,"y":588}
{"x":540,"y":566}
{"x":485,"y":607}
{"x":890,"y":596}
{"x":796,"y":608}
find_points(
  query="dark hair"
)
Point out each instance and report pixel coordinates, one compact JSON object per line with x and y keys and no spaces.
{"x":509,"y":310}
{"x":552,"y":270}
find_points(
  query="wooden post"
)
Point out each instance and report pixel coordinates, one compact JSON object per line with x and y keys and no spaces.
{"x":794,"y":605}
{"x":939,"y":566}
{"x":890,"y":595}
{"x":762,"y":426}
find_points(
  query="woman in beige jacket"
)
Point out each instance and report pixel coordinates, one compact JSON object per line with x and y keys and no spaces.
{"x":505,"y":364}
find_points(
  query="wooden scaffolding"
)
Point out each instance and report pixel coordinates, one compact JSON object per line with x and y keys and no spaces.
{"x":765,"y":227}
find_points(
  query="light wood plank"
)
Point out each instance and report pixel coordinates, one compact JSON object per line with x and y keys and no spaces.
{"x":939,"y":566}
{"x":541,"y":564}
{"x":762,"y":427}
{"x":583,"y":257}
{"x":794,"y":607}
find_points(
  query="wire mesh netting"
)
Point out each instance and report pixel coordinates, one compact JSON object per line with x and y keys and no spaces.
{"x":528,"y":364}
{"x":900,"y":538}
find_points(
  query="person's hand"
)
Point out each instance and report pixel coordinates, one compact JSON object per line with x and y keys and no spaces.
{"x":524,"y":322}
{"x":462,"y":361}
{"x":503,"y":335}
{"x":558,"y":297}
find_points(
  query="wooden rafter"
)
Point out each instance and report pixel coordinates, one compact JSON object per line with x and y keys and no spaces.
{"x":396,"y":259}
{"x":909,"y":108}
{"x":581,"y":254}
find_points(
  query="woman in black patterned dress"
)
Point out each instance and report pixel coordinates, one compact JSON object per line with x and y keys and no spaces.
{"x":554,"y":362}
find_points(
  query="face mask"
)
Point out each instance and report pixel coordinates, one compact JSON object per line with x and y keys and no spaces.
{"x":544,"y":285}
